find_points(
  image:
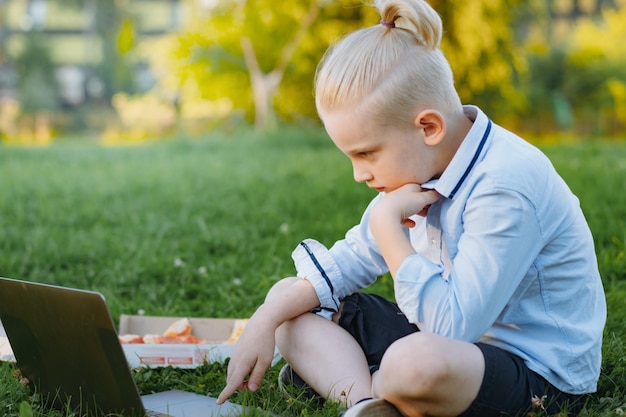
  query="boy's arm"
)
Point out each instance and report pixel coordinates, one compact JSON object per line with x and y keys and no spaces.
{"x":254,"y":350}
{"x":352,"y":263}
{"x":500,"y":239}
{"x":391,"y":214}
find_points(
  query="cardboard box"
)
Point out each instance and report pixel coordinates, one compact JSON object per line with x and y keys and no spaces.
{"x":215,"y":331}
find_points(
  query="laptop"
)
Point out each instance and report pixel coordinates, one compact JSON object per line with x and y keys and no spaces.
{"x":65,"y":343}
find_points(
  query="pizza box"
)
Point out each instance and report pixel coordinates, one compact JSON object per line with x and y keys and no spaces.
{"x":216,"y":333}
{"x":219,"y":335}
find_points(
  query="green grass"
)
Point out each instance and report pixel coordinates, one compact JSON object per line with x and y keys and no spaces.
{"x":205,"y":227}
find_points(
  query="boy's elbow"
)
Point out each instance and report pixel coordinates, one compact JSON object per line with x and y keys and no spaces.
{"x":280,"y":287}
{"x":293,"y":289}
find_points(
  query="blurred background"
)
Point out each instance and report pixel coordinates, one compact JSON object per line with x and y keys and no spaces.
{"x":125,"y":71}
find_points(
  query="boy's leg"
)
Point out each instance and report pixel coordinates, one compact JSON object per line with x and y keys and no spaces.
{"x":460,"y":378}
{"x":327,"y":357}
{"x":426,"y":374}
{"x":419,"y":371}
{"x":371,"y":324}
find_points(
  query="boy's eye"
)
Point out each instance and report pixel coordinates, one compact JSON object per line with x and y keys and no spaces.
{"x":365,"y":154}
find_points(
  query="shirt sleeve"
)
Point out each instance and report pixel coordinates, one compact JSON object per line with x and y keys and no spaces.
{"x":349,"y":265}
{"x":314,"y":262}
{"x":499,"y":240}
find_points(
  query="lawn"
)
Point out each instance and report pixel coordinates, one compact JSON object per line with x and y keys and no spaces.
{"x":204,"y":227}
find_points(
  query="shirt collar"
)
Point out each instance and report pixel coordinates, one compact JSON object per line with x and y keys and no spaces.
{"x":465,"y":157}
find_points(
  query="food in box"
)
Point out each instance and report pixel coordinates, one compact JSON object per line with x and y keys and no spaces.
{"x":160,"y":341}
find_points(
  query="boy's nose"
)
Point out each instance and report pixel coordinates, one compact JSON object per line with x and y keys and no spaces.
{"x":361,"y":175}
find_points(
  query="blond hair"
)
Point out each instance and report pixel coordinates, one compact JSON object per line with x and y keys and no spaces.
{"x":390,"y":70}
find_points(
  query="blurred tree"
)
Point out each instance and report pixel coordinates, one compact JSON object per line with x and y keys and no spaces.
{"x":262,"y":57}
{"x":481,"y":44}
{"x":37,"y":90}
{"x":255,"y":46}
{"x":596,"y":64}
{"x":37,"y":85}
{"x":2,"y":32}
{"x":109,"y":21}
{"x":574,"y":82}
{"x":245,"y":46}
{"x":264,"y":85}
{"x":113,"y":24}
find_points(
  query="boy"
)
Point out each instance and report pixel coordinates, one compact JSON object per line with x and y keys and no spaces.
{"x":491,"y":256}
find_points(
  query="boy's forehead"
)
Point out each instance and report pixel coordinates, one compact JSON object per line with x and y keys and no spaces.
{"x":346,"y":122}
{"x":350,"y":131}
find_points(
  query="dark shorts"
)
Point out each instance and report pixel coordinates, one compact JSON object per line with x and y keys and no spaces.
{"x":508,"y":386}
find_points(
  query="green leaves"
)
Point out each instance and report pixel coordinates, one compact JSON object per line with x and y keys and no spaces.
{"x":126,"y":37}
{"x":26,"y":410}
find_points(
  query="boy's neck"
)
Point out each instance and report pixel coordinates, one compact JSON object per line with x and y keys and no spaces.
{"x":458,"y":126}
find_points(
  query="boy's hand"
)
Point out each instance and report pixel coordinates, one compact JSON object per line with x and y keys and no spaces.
{"x":391,"y":213}
{"x":254,"y":351}
{"x":252,"y":356}
{"x":404,"y":202}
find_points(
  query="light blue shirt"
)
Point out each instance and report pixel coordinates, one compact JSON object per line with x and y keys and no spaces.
{"x":504,"y":257}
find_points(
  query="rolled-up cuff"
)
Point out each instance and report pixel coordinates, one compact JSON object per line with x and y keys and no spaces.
{"x":314,"y":263}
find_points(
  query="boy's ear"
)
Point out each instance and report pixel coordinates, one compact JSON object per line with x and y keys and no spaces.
{"x":433,"y":124}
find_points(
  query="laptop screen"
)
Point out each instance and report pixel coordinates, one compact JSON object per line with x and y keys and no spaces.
{"x":65,"y":343}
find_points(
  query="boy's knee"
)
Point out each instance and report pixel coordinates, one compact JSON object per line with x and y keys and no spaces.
{"x":283,"y":283}
{"x":411,"y":367}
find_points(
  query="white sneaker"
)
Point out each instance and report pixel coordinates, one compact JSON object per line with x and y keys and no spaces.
{"x":374,"y":407}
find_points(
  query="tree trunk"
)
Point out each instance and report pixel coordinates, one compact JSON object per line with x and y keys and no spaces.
{"x":265,"y":85}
